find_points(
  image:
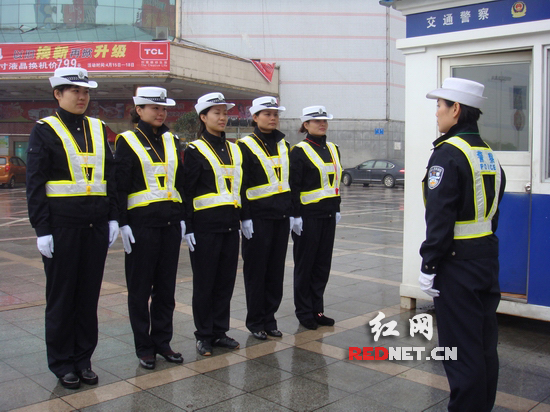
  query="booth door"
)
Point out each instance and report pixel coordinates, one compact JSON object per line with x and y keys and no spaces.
{"x":505,"y":125}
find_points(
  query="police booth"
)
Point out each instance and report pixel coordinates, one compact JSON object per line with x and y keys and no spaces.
{"x":505,"y":45}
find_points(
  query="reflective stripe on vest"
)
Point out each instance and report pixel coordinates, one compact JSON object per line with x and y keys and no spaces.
{"x":269,"y":163}
{"x":482,"y":162}
{"x":153,"y":171}
{"x":76,"y":161}
{"x":326,"y":190}
{"x":223,"y":196}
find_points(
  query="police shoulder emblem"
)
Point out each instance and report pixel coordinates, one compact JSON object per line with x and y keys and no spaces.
{"x":435,"y":174}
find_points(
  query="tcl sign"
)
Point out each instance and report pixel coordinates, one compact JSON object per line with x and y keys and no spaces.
{"x":154,"y":51}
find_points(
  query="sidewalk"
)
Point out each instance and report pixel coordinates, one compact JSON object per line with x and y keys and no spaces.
{"x":303,"y":371}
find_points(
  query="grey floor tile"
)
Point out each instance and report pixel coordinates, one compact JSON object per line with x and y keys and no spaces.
{"x":7,"y":373}
{"x":347,"y":377}
{"x":137,"y":402}
{"x":110,"y":347}
{"x":296,"y":361}
{"x":195,"y":392}
{"x":358,"y":337}
{"x":31,"y":363}
{"x":250,"y":376}
{"x":404,"y":394}
{"x":301,"y":394}
{"x":9,"y":331}
{"x":22,"y":392}
{"x":354,"y":403}
{"x":245,"y":403}
{"x":21,"y":346}
{"x":520,"y":381}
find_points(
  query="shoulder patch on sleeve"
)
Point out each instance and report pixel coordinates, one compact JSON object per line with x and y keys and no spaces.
{"x":435,"y":175}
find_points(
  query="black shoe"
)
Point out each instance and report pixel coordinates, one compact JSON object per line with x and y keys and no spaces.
{"x":322,"y":320}
{"x":204,"y":348}
{"x":227,"y":342}
{"x":260,"y":335}
{"x":276,"y":333}
{"x":172,"y":356}
{"x":88,"y":376}
{"x":70,"y":381}
{"x":309,"y":324}
{"x":147,"y":361}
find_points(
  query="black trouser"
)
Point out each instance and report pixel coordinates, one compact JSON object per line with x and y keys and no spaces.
{"x":264,"y":269}
{"x":73,"y":283}
{"x":312,"y":261}
{"x":151,"y":271}
{"x":466,"y":319}
{"x":214,"y":264}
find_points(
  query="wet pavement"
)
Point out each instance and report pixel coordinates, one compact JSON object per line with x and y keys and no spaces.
{"x":302,"y":371}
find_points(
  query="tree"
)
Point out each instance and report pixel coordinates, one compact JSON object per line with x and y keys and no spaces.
{"x":187,"y":126}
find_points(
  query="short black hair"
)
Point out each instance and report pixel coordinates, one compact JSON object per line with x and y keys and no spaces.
{"x":61,"y":88}
{"x":468,"y":114}
{"x":134,"y":116}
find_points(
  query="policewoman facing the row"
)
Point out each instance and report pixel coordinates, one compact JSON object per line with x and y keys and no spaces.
{"x":463,"y":186}
{"x":265,"y":216}
{"x":71,"y":196}
{"x":149,"y":176}
{"x":315,"y":172}
{"x":212,"y":191}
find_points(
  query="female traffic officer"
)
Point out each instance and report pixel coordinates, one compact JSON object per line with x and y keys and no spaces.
{"x":315,"y":172}
{"x":462,"y":189}
{"x":265,"y":216}
{"x":71,"y":196}
{"x":150,"y":178}
{"x":212,"y":186}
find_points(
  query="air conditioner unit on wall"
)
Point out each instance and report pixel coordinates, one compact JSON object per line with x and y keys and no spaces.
{"x":161,"y":33}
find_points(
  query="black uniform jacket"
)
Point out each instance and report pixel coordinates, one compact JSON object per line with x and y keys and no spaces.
{"x":304,"y":176}
{"x":453,"y":200}
{"x":47,"y":160}
{"x":130,"y":179}
{"x":200,"y":180}
{"x":277,"y":206}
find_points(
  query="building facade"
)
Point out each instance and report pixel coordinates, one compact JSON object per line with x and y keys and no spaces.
{"x":338,"y":54}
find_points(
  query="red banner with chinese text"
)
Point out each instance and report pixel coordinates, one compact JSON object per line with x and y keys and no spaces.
{"x":92,"y":56}
{"x":266,"y":69}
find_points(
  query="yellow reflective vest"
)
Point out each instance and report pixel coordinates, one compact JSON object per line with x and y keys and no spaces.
{"x":326,"y":188}
{"x":80,"y":162}
{"x":482,"y":162}
{"x":222,"y":196}
{"x":269,"y":163}
{"x":157,"y":189}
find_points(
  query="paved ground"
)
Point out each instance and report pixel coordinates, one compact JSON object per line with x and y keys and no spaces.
{"x":304,"y":370}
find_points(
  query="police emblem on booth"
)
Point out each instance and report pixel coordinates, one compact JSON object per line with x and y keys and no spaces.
{"x":519,"y":8}
{"x":435,"y":174}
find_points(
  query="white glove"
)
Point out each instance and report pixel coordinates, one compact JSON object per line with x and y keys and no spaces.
{"x":190,"y":239}
{"x":113,"y":232}
{"x":338,"y":217}
{"x":291,"y":222}
{"x":247,"y":228}
{"x":45,"y":245}
{"x":427,"y":283}
{"x":182,"y":223}
{"x":297,"y":225}
{"x":127,"y":238}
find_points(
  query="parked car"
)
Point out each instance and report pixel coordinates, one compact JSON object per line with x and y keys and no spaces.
{"x":12,"y":169}
{"x":387,"y":172}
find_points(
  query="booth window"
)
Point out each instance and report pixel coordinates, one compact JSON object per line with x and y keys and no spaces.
{"x":506,"y":113}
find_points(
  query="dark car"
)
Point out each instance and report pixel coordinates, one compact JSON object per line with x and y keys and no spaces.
{"x":387,"y":172}
{"x":12,"y":169}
